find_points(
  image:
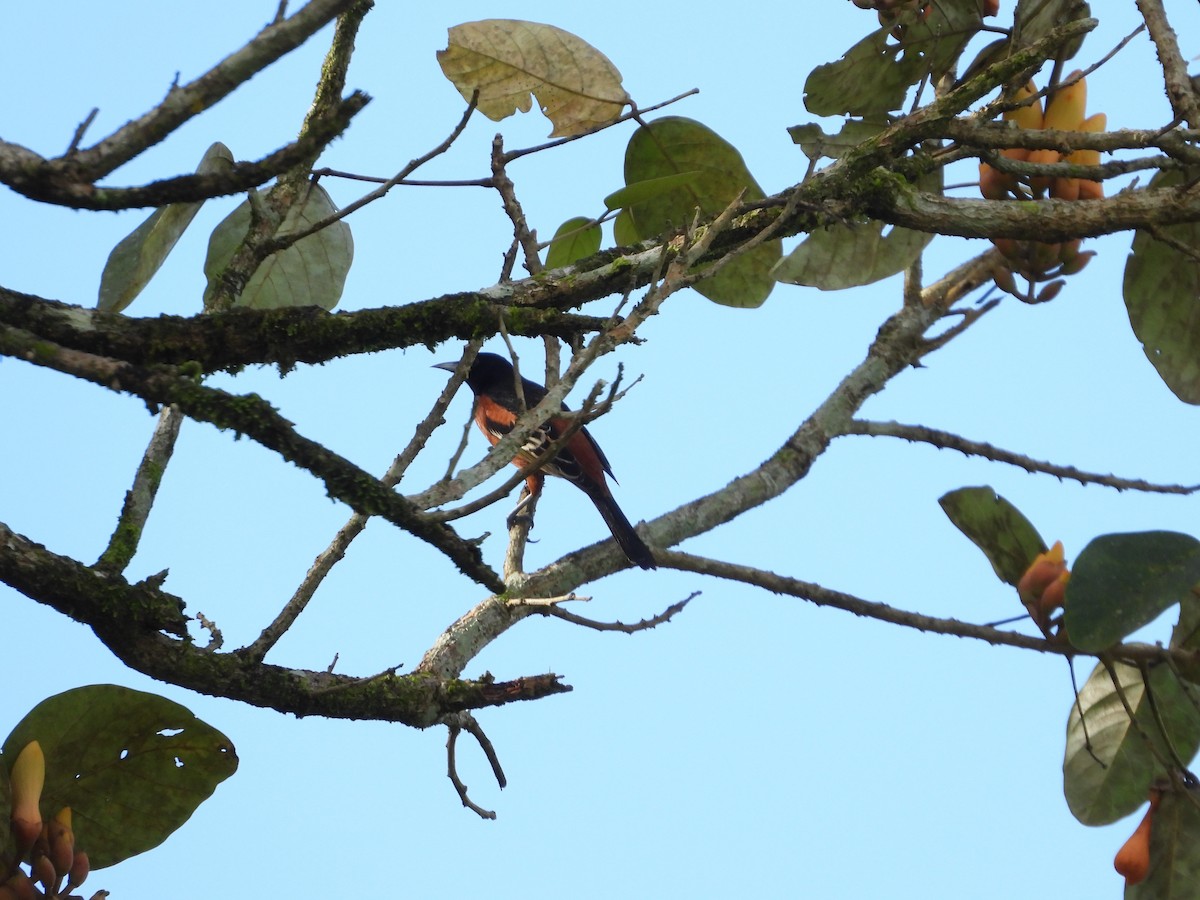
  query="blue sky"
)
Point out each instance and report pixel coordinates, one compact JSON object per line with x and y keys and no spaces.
{"x":757,"y":745}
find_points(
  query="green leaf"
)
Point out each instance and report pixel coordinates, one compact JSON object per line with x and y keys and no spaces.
{"x":996,"y":527}
{"x":1112,"y":779}
{"x":624,"y":231}
{"x":139,"y":255}
{"x":1161,"y":287}
{"x":1174,"y":850}
{"x":577,"y":87}
{"x":715,"y":174}
{"x":311,"y":272}
{"x":575,"y":239}
{"x":745,"y":282}
{"x":132,"y":766}
{"x":874,"y":75}
{"x":5,"y":811}
{"x":1123,"y":581}
{"x":1186,"y":635}
{"x":648,"y":190}
{"x":844,"y":256}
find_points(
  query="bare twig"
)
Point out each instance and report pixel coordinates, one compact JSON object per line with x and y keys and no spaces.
{"x":557,"y":612}
{"x":81,"y":130}
{"x":139,"y":499}
{"x":823,"y":596}
{"x":524,"y":235}
{"x":455,"y":725}
{"x":634,"y":113}
{"x":949,"y":441}
{"x":216,"y":640}
{"x":70,"y":180}
{"x":1087,"y":738}
{"x":281,"y":242}
{"x":1175,"y":74}
{"x":1151,"y":745}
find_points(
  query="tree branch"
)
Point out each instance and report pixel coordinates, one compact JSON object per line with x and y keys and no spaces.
{"x":70,"y":180}
{"x":130,"y":620}
{"x":234,"y":338}
{"x":1179,"y":84}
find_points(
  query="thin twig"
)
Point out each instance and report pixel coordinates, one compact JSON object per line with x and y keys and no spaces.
{"x":452,"y":774}
{"x":455,"y":725}
{"x":216,"y":639}
{"x":946,"y":440}
{"x":476,"y":731}
{"x":1087,"y":738}
{"x":1151,"y":745}
{"x":634,"y":113}
{"x":282,"y":242}
{"x":1157,"y":715}
{"x":525,"y":235}
{"x":81,"y":130}
{"x":1175,"y":73}
{"x":557,"y":612}
{"x":139,"y":499}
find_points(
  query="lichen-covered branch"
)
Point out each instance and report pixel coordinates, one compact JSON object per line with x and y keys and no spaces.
{"x":131,"y":620}
{"x":241,"y":337}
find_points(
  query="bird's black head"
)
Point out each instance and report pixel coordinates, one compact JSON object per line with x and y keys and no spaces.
{"x":488,"y":371}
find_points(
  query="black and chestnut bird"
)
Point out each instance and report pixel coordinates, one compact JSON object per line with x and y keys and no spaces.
{"x":580,"y":460}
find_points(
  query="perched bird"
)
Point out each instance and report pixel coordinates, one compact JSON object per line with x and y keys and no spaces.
{"x":580,"y":460}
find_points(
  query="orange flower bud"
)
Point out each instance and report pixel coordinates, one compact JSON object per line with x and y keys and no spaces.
{"x":1133,"y":859}
{"x":1066,"y":108}
{"x":26,"y":780}
{"x":1045,"y":570}
{"x":21,"y":886}
{"x":61,"y":841}
{"x":80,"y":866}
{"x":43,"y":872}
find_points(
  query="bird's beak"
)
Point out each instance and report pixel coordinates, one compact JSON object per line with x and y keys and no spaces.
{"x":448,"y":366}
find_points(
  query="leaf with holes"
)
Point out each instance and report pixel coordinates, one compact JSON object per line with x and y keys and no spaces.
{"x":1108,"y":766}
{"x":873,"y":77}
{"x":311,"y":272}
{"x":995,"y":526}
{"x":816,"y":144}
{"x":132,"y":766}
{"x":139,"y":255}
{"x":505,"y":60}
{"x":1124,"y":581}
{"x":705,"y":173}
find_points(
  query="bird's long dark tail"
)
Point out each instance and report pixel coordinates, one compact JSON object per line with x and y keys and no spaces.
{"x":634,"y":547}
